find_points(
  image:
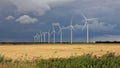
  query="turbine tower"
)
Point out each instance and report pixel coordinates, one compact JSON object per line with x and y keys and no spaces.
{"x":39,"y":35}
{"x":48,"y":36}
{"x":71,"y":31}
{"x":61,"y":34}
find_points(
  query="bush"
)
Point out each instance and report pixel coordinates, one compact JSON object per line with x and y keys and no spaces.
{"x":85,"y":61}
{"x":1,"y":59}
{"x":4,"y":60}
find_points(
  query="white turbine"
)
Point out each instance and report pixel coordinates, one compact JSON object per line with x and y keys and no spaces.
{"x":47,"y":33}
{"x":36,"y":37}
{"x":60,"y":30}
{"x":41,"y":38}
{"x":44,"y":35}
{"x":61,"y":34}
{"x":86,"y":25}
{"x":49,"y":36}
{"x":53,"y":33}
{"x":71,"y":31}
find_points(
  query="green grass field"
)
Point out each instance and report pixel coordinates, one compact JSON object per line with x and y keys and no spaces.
{"x":84,"y":61}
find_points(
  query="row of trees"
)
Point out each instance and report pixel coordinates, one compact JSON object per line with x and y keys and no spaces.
{"x":56,"y":42}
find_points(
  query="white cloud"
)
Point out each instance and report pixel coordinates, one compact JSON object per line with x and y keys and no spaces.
{"x":25,"y":19}
{"x":10,"y":18}
{"x":107,"y":38}
{"x":77,"y":26}
{"x":101,"y":26}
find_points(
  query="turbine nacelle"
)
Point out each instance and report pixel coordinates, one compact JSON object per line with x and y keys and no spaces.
{"x":71,"y":27}
{"x":91,"y":19}
{"x":56,"y":24}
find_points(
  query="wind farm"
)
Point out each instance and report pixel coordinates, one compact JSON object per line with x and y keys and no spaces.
{"x":54,"y":38}
{"x":52,"y":34}
{"x":47,"y":43}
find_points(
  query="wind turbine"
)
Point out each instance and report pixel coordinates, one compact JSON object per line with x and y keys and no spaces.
{"x":44,"y":35}
{"x":60,"y":30}
{"x":86,"y":25}
{"x":36,"y":38}
{"x":53,"y":33}
{"x":60,"y":34}
{"x":48,"y":36}
{"x":41,"y":38}
{"x":71,"y":31}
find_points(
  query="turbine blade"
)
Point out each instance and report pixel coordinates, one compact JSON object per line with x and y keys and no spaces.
{"x":84,"y":26}
{"x":55,"y":24}
{"x":84,"y":16}
{"x":53,"y":29}
{"x":71,"y":22}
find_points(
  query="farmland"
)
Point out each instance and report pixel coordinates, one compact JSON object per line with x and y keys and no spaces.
{"x":46,"y":51}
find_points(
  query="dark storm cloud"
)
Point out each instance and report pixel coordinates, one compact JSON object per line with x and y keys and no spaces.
{"x":46,"y":12}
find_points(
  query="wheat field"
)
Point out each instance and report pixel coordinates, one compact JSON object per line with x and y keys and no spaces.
{"x":46,"y":51}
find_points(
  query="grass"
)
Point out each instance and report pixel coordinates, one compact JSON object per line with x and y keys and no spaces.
{"x":9,"y":63}
{"x":85,"y":61}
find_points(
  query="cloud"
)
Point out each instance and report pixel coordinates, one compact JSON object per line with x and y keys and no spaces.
{"x":107,"y":38}
{"x":26,"y":19}
{"x":10,"y":18}
{"x":101,"y":26}
{"x":77,"y":26}
{"x":37,"y":7}
{"x":99,"y":8}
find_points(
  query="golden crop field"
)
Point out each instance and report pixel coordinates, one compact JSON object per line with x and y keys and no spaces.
{"x":46,"y":51}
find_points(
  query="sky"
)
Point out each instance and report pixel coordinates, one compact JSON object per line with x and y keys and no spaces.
{"x":20,"y":20}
